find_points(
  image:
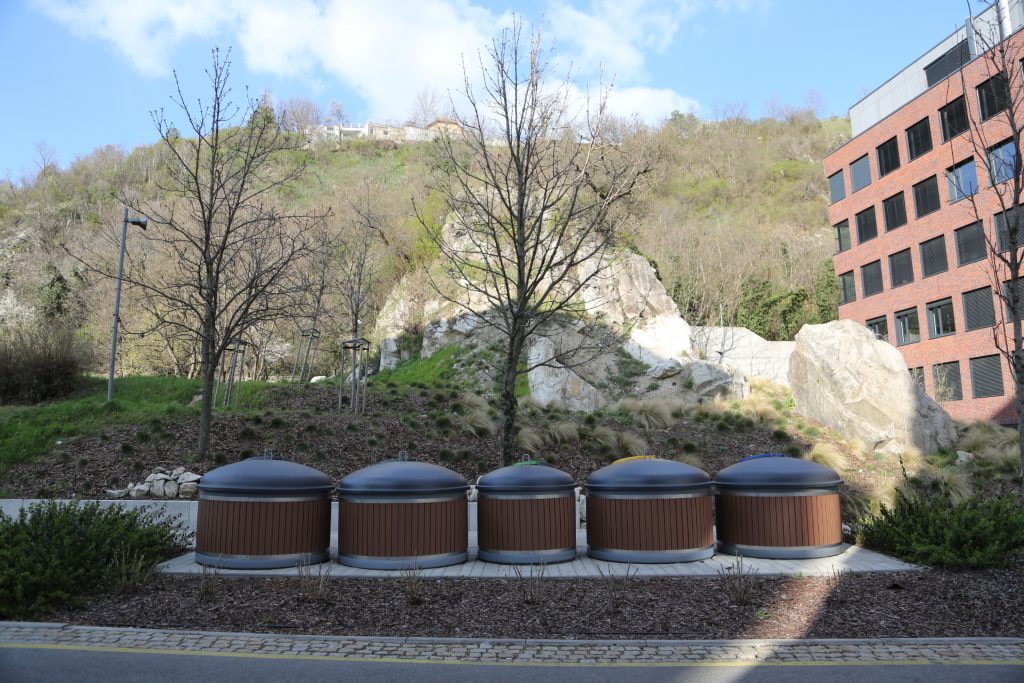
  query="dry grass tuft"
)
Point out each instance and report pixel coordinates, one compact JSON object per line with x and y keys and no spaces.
{"x":759,"y":408}
{"x":857,"y":448}
{"x":561,"y":432}
{"x":648,"y":414}
{"x":475,"y":402}
{"x":1004,"y":458}
{"x":630,"y":444}
{"x":913,"y":461}
{"x":604,"y":436}
{"x":828,"y":454}
{"x":956,"y":484}
{"x":691,"y":459}
{"x":855,"y":504}
{"x":982,"y":436}
{"x":530,"y":441}
{"x":475,"y":422}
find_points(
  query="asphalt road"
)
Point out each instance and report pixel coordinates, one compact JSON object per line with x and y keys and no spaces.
{"x":18,"y":665}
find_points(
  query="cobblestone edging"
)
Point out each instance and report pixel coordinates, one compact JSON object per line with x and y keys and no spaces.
{"x":737,"y":652}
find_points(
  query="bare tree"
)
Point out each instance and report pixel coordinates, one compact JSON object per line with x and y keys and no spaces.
{"x":994,"y":135}
{"x":537,"y":199}
{"x":426,"y":107}
{"x":221,"y":253}
{"x":357,"y":269}
{"x":299,"y":115}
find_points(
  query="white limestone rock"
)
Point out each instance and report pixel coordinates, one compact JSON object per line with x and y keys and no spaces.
{"x":117,"y":493}
{"x":964,"y":458}
{"x":139,"y":491}
{"x":844,"y":378}
{"x":188,"y":478}
{"x":318,"y":379}
{"x":390,"y":355}
{"x":170,"y":489}
{"x":178,"y":471}
{"x":665,"y":369}
{"x":157,"y":488}
{"x":188,"y":490}
{"x":708,"y":380}
{"x":555,"y":383}
{"x":744,"y":350}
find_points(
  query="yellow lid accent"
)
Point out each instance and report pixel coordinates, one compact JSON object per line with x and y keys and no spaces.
{"x":636,"y":457}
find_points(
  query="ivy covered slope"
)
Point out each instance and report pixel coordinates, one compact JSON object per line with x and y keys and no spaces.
{"x":735,"y":221}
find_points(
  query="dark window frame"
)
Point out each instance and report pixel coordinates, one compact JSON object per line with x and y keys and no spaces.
{"x":874,"y":322}
{"x":960,"y":240}
{"x":914,"y":133}
{"x":887,"y":155}
{"x":952,"y":115}
{"x":842,"y":287}
{"x":990,"y":158}
{"x":874,"y":224}
{"x":865,"y":292}
{"x":938,"y":368}
{"x":839,"y":227}
{"x":970,"y":300}
{"x":923,"y":254}
{"x":886,"y":213}
{"x":854,"y":169}
{"x":893,"y":270}
{"x":956,"y":188}
{"x":842,"y":187}
{"x":898,"y":317}
{"x":992,"y":96}
{"x":935,"y":319}
{"x":924,"y":194}
{"x":974,"y":367}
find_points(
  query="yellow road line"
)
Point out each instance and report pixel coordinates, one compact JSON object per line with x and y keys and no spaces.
{"x":470,"y":662}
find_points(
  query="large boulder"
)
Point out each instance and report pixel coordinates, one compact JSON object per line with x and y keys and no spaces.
{"x":744,"y":350}
{"x":844,"y":378}
{"x":707,"y":380}
{"x":390,"y":354}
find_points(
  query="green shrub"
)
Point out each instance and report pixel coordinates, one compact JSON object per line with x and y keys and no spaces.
{"x":37,"y":364}
{"x":931,"y":529}
{"x":57,"y":555}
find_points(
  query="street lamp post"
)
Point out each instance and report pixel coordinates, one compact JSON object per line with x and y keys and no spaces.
{"x":141,"y":222}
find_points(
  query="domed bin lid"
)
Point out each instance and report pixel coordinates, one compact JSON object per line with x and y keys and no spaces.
{"x":404,"y":478}
{"x":651,"y":475}
{"x":265,"y":476}
{"x":777,"y":474}
{"x":526,"y":477}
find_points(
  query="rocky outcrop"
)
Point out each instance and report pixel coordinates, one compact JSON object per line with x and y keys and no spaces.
{"x":750,"y":353}
{"x":844,"y":378}
{"x":708,"y":380}
{"x":390,"y":355}
{"x":554,"y":383}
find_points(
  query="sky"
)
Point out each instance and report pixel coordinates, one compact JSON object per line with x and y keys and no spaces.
{"x":81,"y":74}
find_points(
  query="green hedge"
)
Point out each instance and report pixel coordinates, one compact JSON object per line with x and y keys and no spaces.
{"x":930,"y":529}
{"x":38,"y":363}
{"x":57,"y":555}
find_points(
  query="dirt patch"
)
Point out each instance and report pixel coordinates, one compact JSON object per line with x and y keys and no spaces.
{"x":931,"y":604}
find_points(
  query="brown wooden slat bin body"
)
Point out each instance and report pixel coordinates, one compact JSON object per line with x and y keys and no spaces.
{"x":263,"y":514}
{"x":778,"y":508}
{"x":403,"y":514}
{"x":648,"y":510}
{"x":526,"y":514}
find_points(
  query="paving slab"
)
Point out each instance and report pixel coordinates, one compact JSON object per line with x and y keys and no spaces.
{"x":42,"y":636}
{"x":853,"y":559}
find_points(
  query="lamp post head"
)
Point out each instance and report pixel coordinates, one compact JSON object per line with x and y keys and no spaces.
{"x":141,"y":221}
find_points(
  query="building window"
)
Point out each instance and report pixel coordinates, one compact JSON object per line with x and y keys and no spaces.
{"x":962,"y":180}
{"x":918,"y":375}
{"x":986,"y":377}
{"x":860,"y":174}
{"x":895,"y":210}
{"x":879,"y":327}
{"x":933,"y":257}
{"x":842,"y":236}
{"x":919,"y":139}
{"x":1007,"y":291}
{"x":946,"y":377}
{"x":888,"y":156}
{"x":970,"y":243}
{"x":871,"y":278}
{"x":993,"y":97}
{"x":953,"y":119}
{"x":948,"y":63}
{"x":926,"y":196}
{"x":867,"y":227}
{"x":901,"y":269}
{"x":908,"y":330}
{"x":836,"y":186}
{"x":1004,"y":222}
{"x":1002,"y":160}
{"x":940,"y":319}
{"x":847,"y":289}
{"x":979,"y":311}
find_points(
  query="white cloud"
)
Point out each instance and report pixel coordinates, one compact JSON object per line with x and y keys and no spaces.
{"x":389,"y":49}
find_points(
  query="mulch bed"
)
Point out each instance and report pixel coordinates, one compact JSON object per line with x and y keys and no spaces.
{"x":931,"y":604}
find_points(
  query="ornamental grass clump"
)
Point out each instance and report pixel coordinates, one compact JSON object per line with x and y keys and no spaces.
{"x":57,"y":555}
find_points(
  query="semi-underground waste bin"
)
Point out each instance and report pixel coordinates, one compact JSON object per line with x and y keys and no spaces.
{"x":778,"y":507}
{"x":526,"y":515}
{"x":402,"y":514}
{"x":263,"y":513}
{"x":649,"y":510}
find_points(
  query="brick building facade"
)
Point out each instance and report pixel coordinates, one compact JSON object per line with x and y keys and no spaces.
{"x":915,"y":214}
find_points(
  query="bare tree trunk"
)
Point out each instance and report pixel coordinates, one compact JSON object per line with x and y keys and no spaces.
{"x":209,"y":373}
{"x":509,"y":402}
